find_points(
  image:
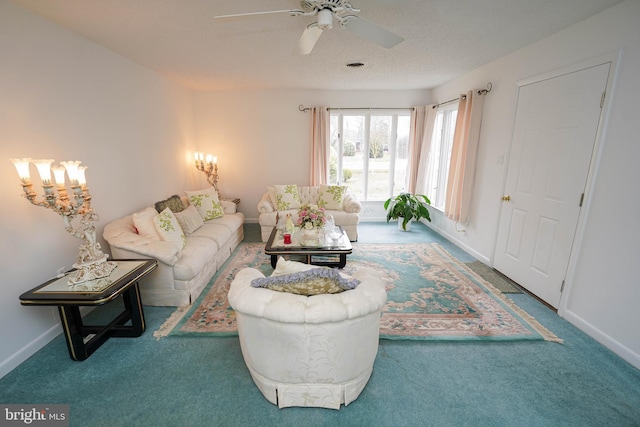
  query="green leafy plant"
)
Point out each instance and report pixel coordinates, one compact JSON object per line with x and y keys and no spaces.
{"x":407,"y":206}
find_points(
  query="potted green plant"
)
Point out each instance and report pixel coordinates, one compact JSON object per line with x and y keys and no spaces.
{"x":408,"y":207}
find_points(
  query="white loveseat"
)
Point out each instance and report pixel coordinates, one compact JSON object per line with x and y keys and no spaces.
{"x":182,"y":273}
{"x":346,"y":213}
{"x":315,"y":350}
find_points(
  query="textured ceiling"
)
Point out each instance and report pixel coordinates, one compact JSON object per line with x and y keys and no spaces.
{"x":443,"y":39}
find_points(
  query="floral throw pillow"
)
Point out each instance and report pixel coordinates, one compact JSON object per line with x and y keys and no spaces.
{"x":169,"y":228}
{"x":330,"y":196}
{"x":287,"y":197}
{"x":206,"y":203}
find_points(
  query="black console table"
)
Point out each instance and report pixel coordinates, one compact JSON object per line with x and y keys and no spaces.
{"x":83,"y":340}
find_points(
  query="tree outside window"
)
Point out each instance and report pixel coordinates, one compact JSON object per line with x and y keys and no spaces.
{"x":369,"y":152}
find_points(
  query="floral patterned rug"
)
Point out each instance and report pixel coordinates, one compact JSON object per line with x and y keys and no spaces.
{"x":430,"y":296}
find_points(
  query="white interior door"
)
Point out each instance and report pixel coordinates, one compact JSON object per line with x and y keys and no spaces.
{"x":554,"y":135}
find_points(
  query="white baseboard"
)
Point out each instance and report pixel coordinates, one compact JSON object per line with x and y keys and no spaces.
{"x":460,"y":244}
{"x":624,"y":352}
{"x":28,"y":350}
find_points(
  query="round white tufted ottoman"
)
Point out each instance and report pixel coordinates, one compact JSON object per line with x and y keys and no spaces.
{"x":309,"y":351}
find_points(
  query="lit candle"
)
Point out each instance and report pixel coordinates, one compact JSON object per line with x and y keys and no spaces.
{"x":82,"y":180}
{"x":215,"y":159}
{"x":209,"y":158}
{"x":22,"y":166}
{"x":44,"y":169}
{"x":58,"y":174}
{"x":72,"y":170}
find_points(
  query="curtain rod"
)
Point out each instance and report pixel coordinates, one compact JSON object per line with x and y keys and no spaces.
{"x":305,"y":109}
{"x":480,"y":92}
{"x":451,"y":100}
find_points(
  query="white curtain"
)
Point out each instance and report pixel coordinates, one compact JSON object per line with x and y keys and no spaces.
{"x":319,"y":166}
{"x":422,"y":121}
{"x":462,"y":168}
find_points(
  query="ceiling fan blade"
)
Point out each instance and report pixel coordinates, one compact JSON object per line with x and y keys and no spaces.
{"x":308,"y":40}
{"x":239,"y":15}
{"x":372,"y":32}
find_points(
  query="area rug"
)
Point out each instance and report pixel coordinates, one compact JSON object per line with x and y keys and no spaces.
{"x":430,"y":296}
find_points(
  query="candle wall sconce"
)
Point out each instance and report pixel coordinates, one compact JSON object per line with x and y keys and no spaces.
{"x":209,"y":165}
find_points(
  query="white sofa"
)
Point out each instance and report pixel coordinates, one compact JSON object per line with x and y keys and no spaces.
{"x":181,"y":274}
{"x":309,"y":351}
{"x":348,"y":216}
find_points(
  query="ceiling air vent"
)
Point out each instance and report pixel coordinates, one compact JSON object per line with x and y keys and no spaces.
{"x":355,"y":65}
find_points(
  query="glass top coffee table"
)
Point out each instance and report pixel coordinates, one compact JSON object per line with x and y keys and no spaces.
{"x":323,"y":252}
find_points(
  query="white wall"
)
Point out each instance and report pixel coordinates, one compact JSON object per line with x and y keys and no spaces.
{"x":66,"y":98}
{"x":261,"y":138}
{"x":602,"y":289}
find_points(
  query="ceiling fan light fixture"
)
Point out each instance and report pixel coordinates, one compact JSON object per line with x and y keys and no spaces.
{"x":325,"y":19}
{"x":325,"y":11}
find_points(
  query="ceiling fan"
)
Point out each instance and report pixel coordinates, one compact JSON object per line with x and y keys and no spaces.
{"x":326,"y":11}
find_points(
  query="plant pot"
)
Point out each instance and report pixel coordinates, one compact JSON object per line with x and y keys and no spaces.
{"x":400,"y":221}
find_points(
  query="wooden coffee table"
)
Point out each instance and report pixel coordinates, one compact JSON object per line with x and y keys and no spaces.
{"x":325,"y":248}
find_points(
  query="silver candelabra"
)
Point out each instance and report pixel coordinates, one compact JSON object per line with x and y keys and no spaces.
{"x":91,"y":263}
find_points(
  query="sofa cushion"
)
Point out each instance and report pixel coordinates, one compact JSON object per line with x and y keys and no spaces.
{"x":232,"y":222}
{"x":344,"y":218}
{"x":197,"y":253}
{"x":287,"y":197}
{"x":215,"y":232}
{"x":316,"y":281}
{"x":169,"y":228}
{"x":206,"y":202}
{"x":174,"y":203}
{"x":144,"y":222}
{"x":330,"y":196}
{"x":189,"y":219}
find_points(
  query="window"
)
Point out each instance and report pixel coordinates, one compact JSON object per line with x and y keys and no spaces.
{"x":440,"y":155}
{"x":370,"y":152}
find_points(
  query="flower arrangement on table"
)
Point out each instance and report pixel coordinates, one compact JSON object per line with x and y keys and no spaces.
{"x":311,"y":216}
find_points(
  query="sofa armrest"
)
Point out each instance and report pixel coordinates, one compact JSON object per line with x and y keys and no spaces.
{"x":229,"y":208}
{"x":265,"y":205}
{"x":121,"y":234}
{"x":351,"y":204}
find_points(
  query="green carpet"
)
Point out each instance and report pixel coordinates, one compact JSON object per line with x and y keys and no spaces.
{"x":430,"y":296}
{"x":192,"y":382}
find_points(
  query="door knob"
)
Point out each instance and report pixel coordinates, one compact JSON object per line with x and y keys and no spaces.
{"x":506,"y":198}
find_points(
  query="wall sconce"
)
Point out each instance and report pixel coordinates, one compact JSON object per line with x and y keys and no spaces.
{"x":91,"y":263}
{"x":209,"y":167}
